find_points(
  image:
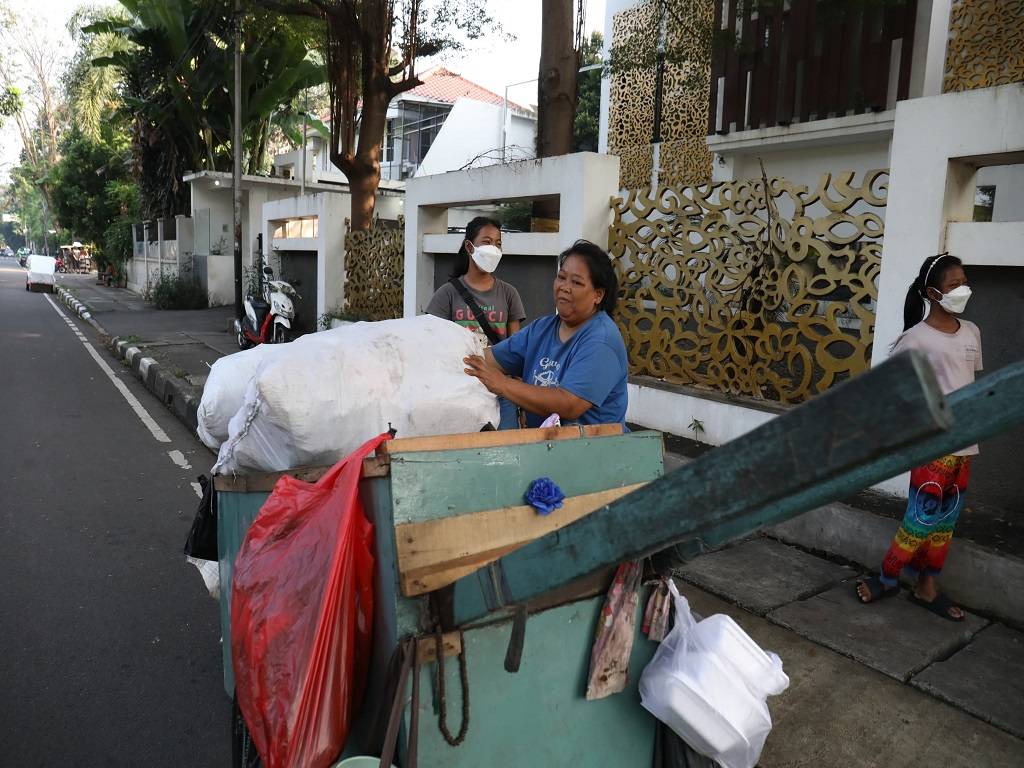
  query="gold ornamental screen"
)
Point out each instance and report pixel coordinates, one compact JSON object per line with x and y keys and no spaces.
{"x":770,"y":296}
{"x":986,"y":44}
{"x":684,"y":157}
{"x":375,"y":271}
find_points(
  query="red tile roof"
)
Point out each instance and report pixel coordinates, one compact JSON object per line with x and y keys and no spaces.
{"x":442,"y":85}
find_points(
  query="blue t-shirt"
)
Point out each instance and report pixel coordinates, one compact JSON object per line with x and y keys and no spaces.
{"x":591,"y":365}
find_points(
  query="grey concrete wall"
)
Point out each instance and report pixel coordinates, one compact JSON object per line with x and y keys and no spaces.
{"x":998,"y":308}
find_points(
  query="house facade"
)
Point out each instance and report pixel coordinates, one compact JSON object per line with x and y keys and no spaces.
{"x":444,"y":124}
{"x":901,"y":122}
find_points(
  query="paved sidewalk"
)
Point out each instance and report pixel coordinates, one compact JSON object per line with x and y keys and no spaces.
{"x":839,"y":713}
{"x":888,"y":684}
{"x":171,"y":351}
{"x":976,"y":665}
{"x":187,"y":341}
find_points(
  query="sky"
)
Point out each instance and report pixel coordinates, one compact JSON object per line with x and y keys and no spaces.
{"x":493,"y":62}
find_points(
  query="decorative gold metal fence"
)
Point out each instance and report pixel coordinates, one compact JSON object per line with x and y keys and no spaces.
{"x":773,"y":297}
{"x":684,"y":157}
{"x":986,"y":44}
{"x":375,"y":271}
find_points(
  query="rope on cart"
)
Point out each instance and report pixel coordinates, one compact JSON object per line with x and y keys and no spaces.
{"x":442,"y":720}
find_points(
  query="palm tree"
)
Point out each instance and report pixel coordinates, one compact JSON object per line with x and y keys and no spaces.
{"x":175,"y":65}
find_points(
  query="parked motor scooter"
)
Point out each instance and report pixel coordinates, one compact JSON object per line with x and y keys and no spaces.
{"x":60,"y":266}
{"x":268,"y":319}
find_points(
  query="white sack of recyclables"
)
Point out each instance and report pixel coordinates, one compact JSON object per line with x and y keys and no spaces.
{"x":322,"y":399}
{"x":224,"y":391}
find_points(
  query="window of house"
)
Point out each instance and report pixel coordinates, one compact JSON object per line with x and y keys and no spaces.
{"x":422,"y":124}
{"x":387,"y":151}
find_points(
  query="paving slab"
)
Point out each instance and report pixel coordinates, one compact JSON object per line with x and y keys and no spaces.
{"x":986,"y":678}
{"x":837,"y":713}
{"x":763,"y":574}
{"x":983,"y":579}
{"x":893,"y":636}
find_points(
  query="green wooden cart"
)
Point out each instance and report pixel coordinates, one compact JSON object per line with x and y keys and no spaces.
{"x":450,"y":520}
{"x":523,"y":717}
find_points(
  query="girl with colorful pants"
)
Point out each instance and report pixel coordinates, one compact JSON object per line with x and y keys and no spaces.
{"x":938,"y":489}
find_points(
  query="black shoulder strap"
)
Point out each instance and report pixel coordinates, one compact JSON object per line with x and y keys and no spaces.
{"x":478,"y":313}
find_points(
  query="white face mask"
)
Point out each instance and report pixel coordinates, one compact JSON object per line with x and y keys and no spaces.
{"x":956,"y":300}
{"x":486,"y":257}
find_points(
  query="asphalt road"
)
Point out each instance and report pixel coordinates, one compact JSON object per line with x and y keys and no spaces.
{"x":109,"y":642}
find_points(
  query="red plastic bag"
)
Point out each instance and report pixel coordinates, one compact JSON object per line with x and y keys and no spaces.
{"x":302,"y":616}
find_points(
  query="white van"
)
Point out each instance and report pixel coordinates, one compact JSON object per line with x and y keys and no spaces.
{"x":40,"y":273}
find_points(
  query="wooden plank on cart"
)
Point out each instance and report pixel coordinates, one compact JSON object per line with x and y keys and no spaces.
{"x":495,"y":438}
{"x":877,"y":414}
{"x":435,"y":553}
{"x":374,"y":466}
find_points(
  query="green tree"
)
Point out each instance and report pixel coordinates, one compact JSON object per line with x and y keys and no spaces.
{"x":91,"y":92}
{"x":585,"y":128}
{"x":371,"y":49}
{"x":10,"y":102}
{"x":176,"y":81}
{"x":29,"y":62}
{"x":82,"y":181}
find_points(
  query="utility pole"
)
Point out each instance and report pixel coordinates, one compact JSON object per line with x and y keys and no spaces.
{"x":305,"y":117}
{"x":236,"y":150}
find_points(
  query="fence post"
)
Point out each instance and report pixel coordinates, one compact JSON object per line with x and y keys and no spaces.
{"x":145,"y":250}
{"x":160,"y":245}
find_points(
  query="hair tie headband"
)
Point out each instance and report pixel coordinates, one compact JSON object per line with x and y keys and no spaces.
{"x":931,"y":266}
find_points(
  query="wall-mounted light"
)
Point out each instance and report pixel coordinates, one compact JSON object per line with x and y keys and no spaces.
{"x":216,"y":182}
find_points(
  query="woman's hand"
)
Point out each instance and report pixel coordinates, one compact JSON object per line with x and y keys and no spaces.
{"x":489,"y":375}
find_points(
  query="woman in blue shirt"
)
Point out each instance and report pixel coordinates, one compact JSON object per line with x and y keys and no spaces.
{"x":573,"y":362}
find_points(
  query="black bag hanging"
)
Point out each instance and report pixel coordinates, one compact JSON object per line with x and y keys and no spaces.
{"x":479,"y":315}
{"x":202,"y":539}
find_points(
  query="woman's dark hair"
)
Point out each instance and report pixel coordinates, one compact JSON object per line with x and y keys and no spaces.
{"x":472,"y":230}
{"x":602,"y":273}
{"x":929,"y":276}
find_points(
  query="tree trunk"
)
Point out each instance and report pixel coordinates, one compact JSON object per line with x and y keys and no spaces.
{"x":556,"y":85}
{"x":556,"y":91}
{"x":363,"y":169}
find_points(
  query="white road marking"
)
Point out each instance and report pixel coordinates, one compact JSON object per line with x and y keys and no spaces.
{"x":149,"y":422}
{"x":198,"y":489}
{"x":179,"y":458}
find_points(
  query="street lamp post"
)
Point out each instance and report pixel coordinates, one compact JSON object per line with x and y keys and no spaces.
{"x":236,"y":150}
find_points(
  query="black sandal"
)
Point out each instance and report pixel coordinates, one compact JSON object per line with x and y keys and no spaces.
{"x":877,"y":589}
{"x":939,"y":606}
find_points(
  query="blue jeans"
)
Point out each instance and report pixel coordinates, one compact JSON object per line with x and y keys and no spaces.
{"x":509,"y":414}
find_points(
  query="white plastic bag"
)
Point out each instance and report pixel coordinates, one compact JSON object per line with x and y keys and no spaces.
{"x":224,"y":391}
{"x":708,"y":682}
{"x":330,"y":392}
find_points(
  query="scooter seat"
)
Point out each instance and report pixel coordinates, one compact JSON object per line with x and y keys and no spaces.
{"x":261,"y":308}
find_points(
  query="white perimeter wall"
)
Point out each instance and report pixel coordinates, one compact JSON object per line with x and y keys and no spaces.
{"x":939,"y":143}
{"x":331,"y":210}
{"x":585,"y":183}
{"x":806,"y":166}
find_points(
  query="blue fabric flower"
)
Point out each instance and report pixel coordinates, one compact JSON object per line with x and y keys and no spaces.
{"x":544,"y":496}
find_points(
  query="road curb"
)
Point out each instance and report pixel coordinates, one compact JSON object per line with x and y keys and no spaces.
{"x":181,"y":398}
{"x":83,"y":311}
